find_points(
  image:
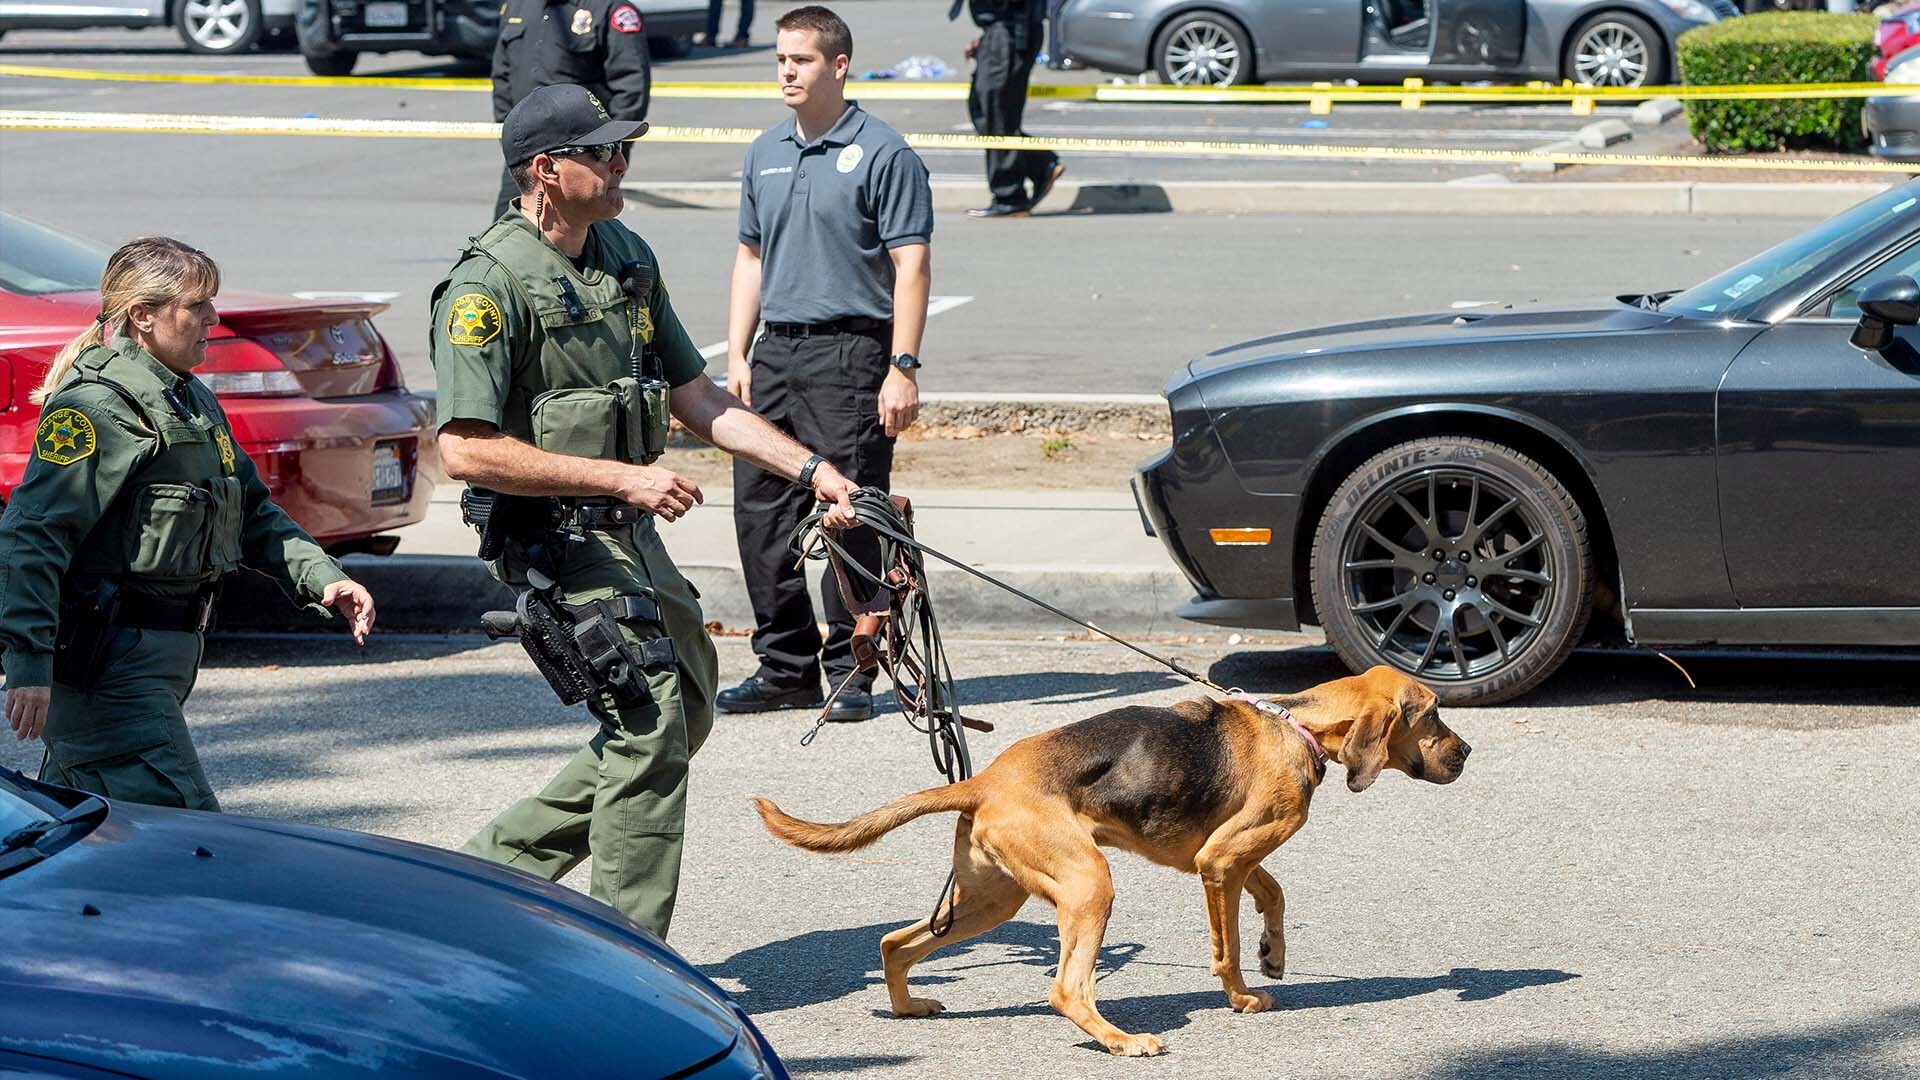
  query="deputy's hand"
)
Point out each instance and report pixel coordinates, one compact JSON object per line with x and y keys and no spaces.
{"x":830,"y":487}
{"x":899,"y":401}
{"x":351,"y":599}
{"x":27,"y":709}
{"x":973,"y":47}
{"x":661,"y":492}
{"x":740,"y":379}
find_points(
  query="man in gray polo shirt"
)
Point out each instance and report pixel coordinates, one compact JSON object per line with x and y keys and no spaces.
{"x":835,"y":219}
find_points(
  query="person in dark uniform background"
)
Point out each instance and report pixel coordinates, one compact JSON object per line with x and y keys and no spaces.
{"x":836,"y":215}
{"x":1003,"y":57}
{"x":598,"y":44}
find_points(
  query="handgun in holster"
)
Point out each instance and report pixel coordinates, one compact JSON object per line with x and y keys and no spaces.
{"x":578,"y":648}
{"x":80,"y":644}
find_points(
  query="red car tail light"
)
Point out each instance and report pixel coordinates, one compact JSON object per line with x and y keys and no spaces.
{"x":240,"y":367}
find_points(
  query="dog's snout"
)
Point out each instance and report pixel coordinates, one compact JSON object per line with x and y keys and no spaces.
{"x":1465,"y":749}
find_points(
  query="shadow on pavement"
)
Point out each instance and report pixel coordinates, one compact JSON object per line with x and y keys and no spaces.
{"x":835,"y":1066}
{"x":1060,"y":687}
{"x":826,"y":965}
{"x":241,"y":649}
{"x":1855,"y":1050}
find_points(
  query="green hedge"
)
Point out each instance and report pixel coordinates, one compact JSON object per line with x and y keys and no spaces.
{"x":1778,"y":47}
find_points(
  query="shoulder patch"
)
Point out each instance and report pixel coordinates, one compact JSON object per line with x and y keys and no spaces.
{"x":626,"y":19}
{"x":65,"y":436}
{"x":473,"y":319}
{"x":582,"y":21}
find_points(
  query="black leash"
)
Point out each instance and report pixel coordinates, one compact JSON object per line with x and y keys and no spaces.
{"x":930,"y":699}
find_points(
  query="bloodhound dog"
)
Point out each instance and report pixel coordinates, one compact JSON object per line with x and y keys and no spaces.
{"x":1207,"y":787}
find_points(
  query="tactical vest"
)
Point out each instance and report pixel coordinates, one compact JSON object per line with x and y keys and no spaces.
{"x":587,"y":384}
{"x":176,"y":523}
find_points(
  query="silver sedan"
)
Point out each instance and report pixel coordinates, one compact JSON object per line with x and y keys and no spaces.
{"x":1228,"y":42}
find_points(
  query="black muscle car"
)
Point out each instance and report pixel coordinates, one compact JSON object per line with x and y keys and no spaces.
{"x":1468,"y":495}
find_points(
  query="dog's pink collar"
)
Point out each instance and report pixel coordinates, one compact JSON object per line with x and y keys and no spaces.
{"x":1265,"y":706}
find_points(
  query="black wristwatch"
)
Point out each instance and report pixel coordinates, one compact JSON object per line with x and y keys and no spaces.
{"x":906,"y":361}
{"x":805,"y":478}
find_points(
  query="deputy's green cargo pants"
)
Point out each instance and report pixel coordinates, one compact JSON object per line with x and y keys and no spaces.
{"x":623,"y":797}
{"x":126,"y":738}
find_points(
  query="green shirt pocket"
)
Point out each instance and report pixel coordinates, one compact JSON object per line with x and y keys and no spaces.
{"x":225,"y":520}
{"x":579,"y":421}
{"x":169,"y":535}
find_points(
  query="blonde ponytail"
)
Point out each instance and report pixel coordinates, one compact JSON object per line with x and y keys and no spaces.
{"x":152,"y":270}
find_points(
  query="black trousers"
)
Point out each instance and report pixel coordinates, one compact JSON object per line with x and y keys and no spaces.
{"x":824,"y":391}
{"x":998,"y":100}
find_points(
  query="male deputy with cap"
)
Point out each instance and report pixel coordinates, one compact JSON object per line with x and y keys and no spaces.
{"x":835,"y":217}
{"x":598,"y":44}
{"x":541,"y":335}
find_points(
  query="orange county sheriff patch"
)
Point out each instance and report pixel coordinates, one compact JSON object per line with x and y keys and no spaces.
{"x":474,"y":319}
{"x":224,"y":442}
{"x":65,"y":436}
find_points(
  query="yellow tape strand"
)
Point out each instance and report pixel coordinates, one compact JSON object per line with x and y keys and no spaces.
{"x":914,"y":90}
{"x":157,"y":123}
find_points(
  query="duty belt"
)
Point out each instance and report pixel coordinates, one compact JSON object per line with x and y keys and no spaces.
{"x":851,"y":324}
{"x":144,"y":611}
{"x":595,"y":514}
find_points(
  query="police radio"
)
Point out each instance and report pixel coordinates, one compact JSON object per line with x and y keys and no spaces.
{"x":636,"y":280}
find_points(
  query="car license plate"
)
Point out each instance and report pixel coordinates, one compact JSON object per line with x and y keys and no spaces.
{"x":389,"y":473}
{"x":386,"y":15}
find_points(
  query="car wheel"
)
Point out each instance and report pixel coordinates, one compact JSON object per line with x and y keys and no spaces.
{"x":1204,"y":49}
{"x":1616,"y":49}
{"x":334,"y":65}
{"x":1459,"y":561}
{"x":218,"y":26}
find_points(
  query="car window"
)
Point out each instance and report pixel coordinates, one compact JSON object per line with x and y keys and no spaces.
{"x":35,"y":260}
{"x":1774,"y":269}
{"x":1846,"y":303}
{"x":16,"y":811}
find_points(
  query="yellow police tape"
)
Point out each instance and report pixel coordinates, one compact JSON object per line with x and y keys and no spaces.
{"x":159,"y":123}
{"x":1410,"y":92}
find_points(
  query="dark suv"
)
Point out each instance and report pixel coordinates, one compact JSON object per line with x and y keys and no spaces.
{"x":333,"y":33}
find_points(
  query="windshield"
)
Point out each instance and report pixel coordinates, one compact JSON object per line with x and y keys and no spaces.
{"x":35,"y":260}
{"x":16,"y":811}
{"x":1779,"y":266}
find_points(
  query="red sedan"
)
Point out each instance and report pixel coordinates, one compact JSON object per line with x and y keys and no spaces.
{"x":313,"y":391}
{"x":1899,"y":31}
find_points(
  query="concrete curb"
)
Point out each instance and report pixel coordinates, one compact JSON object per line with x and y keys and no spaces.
{"x":442,"y":593}
{"x":1480,"y":196}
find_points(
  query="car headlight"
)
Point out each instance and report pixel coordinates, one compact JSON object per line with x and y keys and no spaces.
{"x":1691,"y":9}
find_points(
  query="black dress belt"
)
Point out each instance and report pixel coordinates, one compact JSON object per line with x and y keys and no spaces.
{"x":850,"y":324}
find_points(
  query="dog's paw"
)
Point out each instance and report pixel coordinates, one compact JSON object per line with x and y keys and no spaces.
{"x":1135,"y":1046}
{"x":1271,"y":965}
{"x":1252,"y":1001}
{"x":919,"y":1007}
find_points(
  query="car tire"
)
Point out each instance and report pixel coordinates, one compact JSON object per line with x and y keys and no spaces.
{"x":218,"y":27}
{"x":1384,"y":600}
{"x":1603,"y":50}
{"x":1203,"y":48}
{"x":333,"y":65}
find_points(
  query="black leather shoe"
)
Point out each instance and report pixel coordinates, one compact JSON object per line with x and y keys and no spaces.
{"x":758,"y":695}
{"x":851,"y":705}
{"x":998,"y":210}
{"x":1045,"y":184}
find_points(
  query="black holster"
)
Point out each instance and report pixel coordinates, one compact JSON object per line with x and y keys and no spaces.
{"x":80,"y":644}
{"x":499,"y":517}
{"x":578,"y":648}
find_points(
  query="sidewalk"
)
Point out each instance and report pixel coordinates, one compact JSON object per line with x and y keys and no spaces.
{"x":1083,"y":551}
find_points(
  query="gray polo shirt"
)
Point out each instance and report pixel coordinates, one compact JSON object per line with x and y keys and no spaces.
{"x":825,"y":214}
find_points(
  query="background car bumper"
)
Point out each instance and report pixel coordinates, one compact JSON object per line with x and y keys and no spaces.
{"x":323,"y":476}
{"x":1892,"y":124}
{"x":1181,"y":496}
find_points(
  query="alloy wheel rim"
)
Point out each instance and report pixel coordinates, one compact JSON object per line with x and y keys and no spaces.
{"x":1449,"y":574}
{"x":217,"y":24}
{"x":1203,"y":54}
{"x":1610,"y":54}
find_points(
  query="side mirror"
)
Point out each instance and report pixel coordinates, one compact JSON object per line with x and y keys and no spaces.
{"x":1883,"y":306}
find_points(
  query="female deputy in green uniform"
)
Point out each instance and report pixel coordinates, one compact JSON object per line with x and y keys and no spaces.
{"x":135,"y":503}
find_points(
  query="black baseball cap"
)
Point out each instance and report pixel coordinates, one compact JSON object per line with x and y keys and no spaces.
{"x":561,"y":115}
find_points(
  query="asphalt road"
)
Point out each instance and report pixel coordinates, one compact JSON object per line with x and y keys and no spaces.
{"x":1632,"y":879}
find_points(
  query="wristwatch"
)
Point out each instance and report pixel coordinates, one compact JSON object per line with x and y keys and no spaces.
{"x":906,"y":361}
{"x":805,"y":479}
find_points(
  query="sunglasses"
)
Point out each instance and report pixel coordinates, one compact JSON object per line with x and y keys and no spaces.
{"x":601,"y":153}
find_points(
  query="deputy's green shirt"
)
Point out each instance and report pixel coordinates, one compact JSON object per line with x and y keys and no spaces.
{"x":492,"y":354}
{"x":108,"y":481}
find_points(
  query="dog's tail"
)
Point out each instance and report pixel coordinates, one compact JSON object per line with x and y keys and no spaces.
{"x":870,"y":826}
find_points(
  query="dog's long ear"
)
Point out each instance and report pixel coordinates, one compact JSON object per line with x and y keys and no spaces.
{"x":1364,"y":750}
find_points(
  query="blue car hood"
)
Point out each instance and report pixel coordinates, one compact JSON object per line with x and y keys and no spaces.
{"x":1443,"y":328}
{"x":308,"y":951}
